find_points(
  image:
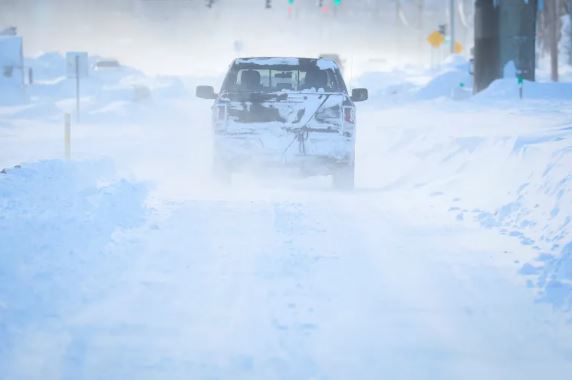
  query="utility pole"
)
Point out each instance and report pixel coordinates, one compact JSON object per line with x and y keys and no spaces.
{"x":570,"y":32}
{"x":452,"y":13}
{"x":518,"y":36}
{"x":421,"y":26}
{"x":505,"y":31}
{"x":487,"y":59}
{"x":398,"y":28}
{"x":553,"y":13}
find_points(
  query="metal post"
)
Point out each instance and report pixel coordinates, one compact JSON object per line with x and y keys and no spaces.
{"x":77,"y":86}
{"x":67,"y":135}
{"x":421,"y":10}
{"x":452,"y":10}
{"x":570,"y":32}
{"x":553,"y":8}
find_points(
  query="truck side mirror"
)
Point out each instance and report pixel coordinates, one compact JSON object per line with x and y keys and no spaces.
{"x":359,"y":94}
{"x":205,"y":92}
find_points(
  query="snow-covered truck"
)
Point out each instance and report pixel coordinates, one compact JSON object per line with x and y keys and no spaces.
{"x":285,"y":112}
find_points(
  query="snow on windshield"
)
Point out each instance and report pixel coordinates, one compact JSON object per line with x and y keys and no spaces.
{"x":270,"y":61}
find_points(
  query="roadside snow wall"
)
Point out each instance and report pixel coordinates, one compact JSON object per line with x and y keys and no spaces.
{"x":58,"y":224}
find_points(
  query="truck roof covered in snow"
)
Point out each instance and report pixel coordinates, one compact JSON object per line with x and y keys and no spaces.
{"x":322,"y":63}
{"x":269,"y":74}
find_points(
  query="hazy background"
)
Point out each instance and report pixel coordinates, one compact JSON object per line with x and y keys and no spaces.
{"x":185,"y":36}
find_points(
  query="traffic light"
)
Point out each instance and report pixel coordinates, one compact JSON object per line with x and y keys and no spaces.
{"x":290,"y":2}
{"x":337,"y":3}
{"x":268,"y":4}
{"x":210,"y":3}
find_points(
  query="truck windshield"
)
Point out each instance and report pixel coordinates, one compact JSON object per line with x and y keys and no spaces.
{"x":262,"y":78}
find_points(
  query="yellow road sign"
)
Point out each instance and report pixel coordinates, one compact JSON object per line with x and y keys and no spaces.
{"x":436,"y":39}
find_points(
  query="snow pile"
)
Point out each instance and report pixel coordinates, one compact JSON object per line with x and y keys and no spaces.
{"x":58,"y":221}
{"x":47,"y":66}
{"x":556,"y":278}
{"x":509,"y":170}
{"x":508,"y":89}
{"x":540,"y":213}
{"x":385,"y":85}
{"x":108,"y":93}
{"x":454,"y":74}
{"x":451,"y":78}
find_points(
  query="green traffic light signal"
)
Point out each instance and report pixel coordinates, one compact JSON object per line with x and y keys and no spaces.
{"x":337,"y":2}
{"x":290,"y":2}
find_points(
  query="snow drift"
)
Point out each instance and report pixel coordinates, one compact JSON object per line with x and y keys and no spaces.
{"x":58,"y":224}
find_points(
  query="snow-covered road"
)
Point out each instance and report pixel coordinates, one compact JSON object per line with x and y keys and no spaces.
{"x":315,"y":286}
{"x":138,"y":267}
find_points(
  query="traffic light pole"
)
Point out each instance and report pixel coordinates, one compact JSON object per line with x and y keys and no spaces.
{"x":452,"y":14}
{"x":570,"y":32}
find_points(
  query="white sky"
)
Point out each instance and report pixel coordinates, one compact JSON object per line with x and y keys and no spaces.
{"x":183,"y":36}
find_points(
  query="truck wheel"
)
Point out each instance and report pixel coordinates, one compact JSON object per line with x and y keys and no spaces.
{"x":344,"y":177}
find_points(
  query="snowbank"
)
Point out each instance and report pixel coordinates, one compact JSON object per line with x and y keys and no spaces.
{"x":508,"y":89}
{"x":540,"y":213}
{"x":506,"y":169}
{"x":453,"y":74}
{"x":58,"y":223}
{"x":453,"y":79}
{"x":108,"y":94}
{"x":411,"y":85}
{"x":445,"y":85}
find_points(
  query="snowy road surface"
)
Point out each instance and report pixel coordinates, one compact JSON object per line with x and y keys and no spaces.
{"x":319,"y":287}
{"x":136,"y":267}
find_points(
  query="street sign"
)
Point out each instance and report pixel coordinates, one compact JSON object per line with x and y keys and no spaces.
{"x":436,"y":39}
{"x":77,"y":65}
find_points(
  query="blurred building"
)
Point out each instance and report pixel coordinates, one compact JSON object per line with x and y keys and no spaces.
{"x":11,"y":58}
{"x":11,"y":66}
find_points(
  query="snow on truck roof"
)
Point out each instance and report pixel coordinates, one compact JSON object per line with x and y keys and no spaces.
{"x":322,"y":63}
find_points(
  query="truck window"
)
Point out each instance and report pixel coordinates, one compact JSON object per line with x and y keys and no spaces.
{"x":275,"y":79}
